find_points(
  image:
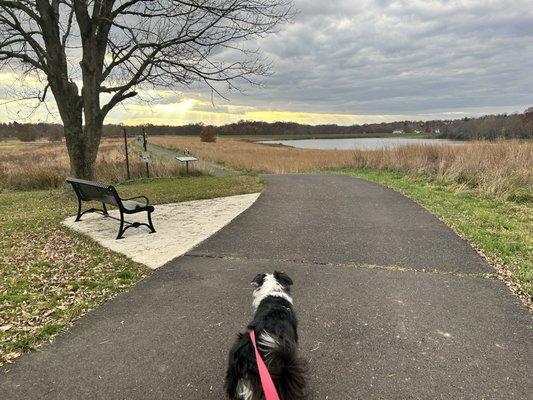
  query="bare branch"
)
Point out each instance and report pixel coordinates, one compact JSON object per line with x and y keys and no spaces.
{"x":118,"y":47}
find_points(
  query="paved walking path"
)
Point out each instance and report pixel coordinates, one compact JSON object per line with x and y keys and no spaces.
{"x":201,"y":164}
{"x":417,"y":322}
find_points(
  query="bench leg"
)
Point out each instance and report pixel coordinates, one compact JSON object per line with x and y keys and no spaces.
{"x":150,"y":224}
{"x":104,"y":209}
{"x":121,"y":228}
{"x":78,"y":216}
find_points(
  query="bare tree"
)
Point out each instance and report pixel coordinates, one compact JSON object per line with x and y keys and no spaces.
{"x":115,"y":47}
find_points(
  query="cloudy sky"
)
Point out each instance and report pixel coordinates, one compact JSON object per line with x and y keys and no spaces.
{"x":348,"y":61}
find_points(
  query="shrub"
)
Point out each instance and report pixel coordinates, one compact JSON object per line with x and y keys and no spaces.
{"x":208,"y":134}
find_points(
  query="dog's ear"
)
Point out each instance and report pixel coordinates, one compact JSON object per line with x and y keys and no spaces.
{"x":258,"y":280}
{"x":283,"y":278}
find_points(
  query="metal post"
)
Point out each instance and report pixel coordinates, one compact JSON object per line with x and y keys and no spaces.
{"x":127,"y":157}
{"x":145,"y":150}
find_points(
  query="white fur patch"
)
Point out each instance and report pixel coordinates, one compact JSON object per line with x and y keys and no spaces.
{"x":244,"y":390}
{"x":270,"y":287}
{"x":267,"y":341}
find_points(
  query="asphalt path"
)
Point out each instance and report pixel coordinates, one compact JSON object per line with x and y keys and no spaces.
{"x":392,"y":305}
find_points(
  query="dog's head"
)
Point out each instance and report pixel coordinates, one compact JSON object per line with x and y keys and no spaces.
{"x":267,"y":284}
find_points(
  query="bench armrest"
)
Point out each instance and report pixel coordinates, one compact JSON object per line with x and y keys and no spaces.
{"x":138,"y":197}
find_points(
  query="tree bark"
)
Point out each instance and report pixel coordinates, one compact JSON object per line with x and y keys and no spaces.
{"x":83,"y":140}
{"x":82,"y":152}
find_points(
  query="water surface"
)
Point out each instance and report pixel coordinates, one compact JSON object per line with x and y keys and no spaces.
{"x":357,"y":143}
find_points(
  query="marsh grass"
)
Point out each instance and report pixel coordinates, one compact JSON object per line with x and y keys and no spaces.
{"x":43,"y":165}
{"x":502,"y":168}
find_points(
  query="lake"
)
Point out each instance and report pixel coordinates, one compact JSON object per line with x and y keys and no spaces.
{"x":357,"y":143}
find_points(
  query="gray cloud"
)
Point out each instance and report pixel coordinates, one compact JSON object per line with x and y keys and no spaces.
{"x":400,"y":57}
{"x":381,"y":59}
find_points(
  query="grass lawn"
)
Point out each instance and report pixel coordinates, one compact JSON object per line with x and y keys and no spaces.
{"x":501,"y":229}
{"x":50,"y":275}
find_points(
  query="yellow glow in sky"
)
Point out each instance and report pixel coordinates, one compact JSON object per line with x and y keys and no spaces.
{"x":183,"y":113}
{"x":168,"y":108}
{"x":194,"y":111}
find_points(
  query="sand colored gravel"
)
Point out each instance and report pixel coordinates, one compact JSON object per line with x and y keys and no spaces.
{"x":180,"y":227}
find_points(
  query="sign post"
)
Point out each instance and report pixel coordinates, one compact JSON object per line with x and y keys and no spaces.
{"x":146,"y":156}
{"x":187,"y":160}
{"x":127,"y":157}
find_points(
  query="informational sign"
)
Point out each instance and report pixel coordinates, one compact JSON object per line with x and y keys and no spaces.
{"x":145,"y":157}
{"x":187,"y":160}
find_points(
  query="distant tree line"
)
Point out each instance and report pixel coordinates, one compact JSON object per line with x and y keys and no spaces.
{"x":486,"y":127}
{"x":514,"y":126}
{"x":31,"y":132}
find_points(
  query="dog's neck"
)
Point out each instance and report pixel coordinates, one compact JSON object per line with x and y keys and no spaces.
{"x":270,"y":287}
{"x":257,"y":300}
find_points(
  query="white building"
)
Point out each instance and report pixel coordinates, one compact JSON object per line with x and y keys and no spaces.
{"x":398,"y":131}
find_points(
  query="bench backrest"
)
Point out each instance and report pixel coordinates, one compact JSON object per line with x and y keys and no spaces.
{"x":95,"y":191}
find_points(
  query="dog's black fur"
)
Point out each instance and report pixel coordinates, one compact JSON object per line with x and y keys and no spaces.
{"x":275,"y":316}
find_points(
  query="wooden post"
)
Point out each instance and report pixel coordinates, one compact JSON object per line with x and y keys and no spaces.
{"x":127,"y":157}
{"x":145,"y":150}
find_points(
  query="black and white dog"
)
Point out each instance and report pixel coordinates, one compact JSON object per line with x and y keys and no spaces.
{"x":275,"y":328}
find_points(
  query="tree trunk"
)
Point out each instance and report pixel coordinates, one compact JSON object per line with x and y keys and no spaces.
{"x":82,"y":137}
{"x":82,"y":146}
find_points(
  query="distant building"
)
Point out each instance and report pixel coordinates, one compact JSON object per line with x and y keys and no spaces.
{"x":417,"y":131}
{"x":398,"y":131}
{"x":437,"y":130}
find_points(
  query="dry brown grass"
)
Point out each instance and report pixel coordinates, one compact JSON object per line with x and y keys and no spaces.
{"x":41,"y":165}
{"x":500,"y":168}
{"x":257,"y":157}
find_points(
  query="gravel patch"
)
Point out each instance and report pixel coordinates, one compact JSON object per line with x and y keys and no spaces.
{"x":180,"y":227}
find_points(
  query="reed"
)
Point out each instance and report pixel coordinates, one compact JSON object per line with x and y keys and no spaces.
{"x":502,"y":168}
{"x":43,"y":165}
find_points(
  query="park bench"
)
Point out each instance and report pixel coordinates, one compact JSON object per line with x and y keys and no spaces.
{"x":107,"y":194}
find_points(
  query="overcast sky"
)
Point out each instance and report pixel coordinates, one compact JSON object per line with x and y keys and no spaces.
{"x":354,"y":61}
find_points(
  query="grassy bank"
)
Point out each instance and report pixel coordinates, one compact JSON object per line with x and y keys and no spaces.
{"x":255,"y":157}
{"x":503,"y":169}
{"x":500,"y":228}
{"x":50,"y":275}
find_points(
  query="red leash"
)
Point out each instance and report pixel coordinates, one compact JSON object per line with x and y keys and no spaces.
{"x":266,"y":380}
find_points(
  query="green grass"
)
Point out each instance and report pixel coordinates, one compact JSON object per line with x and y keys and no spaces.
{"x":167,"y":190}
{"x":50,"y":275}
{"x":500,"y":228}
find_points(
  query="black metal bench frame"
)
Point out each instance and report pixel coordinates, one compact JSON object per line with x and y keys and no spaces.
{"x":106,"y":194}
